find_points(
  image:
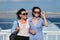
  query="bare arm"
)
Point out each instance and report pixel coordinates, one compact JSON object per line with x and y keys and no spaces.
{"x":45,"y":20}
{"x":17,"y":29}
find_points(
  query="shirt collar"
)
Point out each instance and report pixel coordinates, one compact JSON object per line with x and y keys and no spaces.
{"x":38,"y":18}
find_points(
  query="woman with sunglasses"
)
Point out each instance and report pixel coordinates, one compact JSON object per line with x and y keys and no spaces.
{"x":23,"y":27}
{"x":36,"y":24}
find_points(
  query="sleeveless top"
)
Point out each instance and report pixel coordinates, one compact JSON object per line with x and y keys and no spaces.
{"x":24,"y":29}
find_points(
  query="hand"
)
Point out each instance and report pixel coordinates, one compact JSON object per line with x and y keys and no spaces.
{"x":33,"y":32}
{"x":45,"y":20}
{"x":43,"y":14}
{"x":17,"y":28}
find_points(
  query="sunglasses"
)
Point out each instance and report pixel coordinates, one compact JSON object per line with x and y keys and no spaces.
{"x":37,"y":12}
{"x":25,"y":14}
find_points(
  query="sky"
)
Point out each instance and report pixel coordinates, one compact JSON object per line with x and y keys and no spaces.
{"x":45,"y":5}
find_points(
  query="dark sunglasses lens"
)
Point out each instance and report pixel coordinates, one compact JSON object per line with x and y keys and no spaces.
{"x":25,"y":14}
{"x":36,"y":12}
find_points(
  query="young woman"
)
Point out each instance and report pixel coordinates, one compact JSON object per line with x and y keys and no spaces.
{"x":36,"y":24}
{"x":23,"y":27}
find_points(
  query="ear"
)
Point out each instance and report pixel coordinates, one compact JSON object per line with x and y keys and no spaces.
{"x":20,"y":15}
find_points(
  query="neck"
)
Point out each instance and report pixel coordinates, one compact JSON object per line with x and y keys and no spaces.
{"x":35,"y":18}
{"x":23,"y":19}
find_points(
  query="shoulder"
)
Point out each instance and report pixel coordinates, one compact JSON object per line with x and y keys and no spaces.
{"x":15,"y":21}
{"x":29,"y":19}
{"x":40,"y":19}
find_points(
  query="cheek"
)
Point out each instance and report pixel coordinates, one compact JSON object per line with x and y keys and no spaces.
{"x":19,"y":15}
{"x":23,"y":16}
{"x":36,"y":14}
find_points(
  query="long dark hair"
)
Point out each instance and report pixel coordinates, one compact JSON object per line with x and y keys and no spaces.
{"x":34,"y":9}
{"x":19,"y":12}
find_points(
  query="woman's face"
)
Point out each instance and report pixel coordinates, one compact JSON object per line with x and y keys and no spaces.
{"x":36,"y":12}
{"x":23,"y":15}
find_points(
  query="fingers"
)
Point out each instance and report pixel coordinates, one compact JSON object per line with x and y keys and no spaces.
{"x":43,"y":14}
{"x":33,"y":32}
{"x":17,"y":28}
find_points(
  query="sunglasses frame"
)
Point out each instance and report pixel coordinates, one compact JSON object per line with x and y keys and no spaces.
{"x":36,"y":12}
{"x":25,"y":14}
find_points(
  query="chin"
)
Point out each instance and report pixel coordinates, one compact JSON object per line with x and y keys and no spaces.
{"x":25,"y":18}
{"x":36,"y":16}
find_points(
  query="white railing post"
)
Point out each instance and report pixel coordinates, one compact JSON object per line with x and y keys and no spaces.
{"x":56,"y":36}
{"x":46,"y":33}
{"x":3,"y":36}
{"x":47,"y":37}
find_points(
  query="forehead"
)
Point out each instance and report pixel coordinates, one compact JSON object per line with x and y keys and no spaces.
{"x":36,"y":10}
{"x":23,"y":12}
